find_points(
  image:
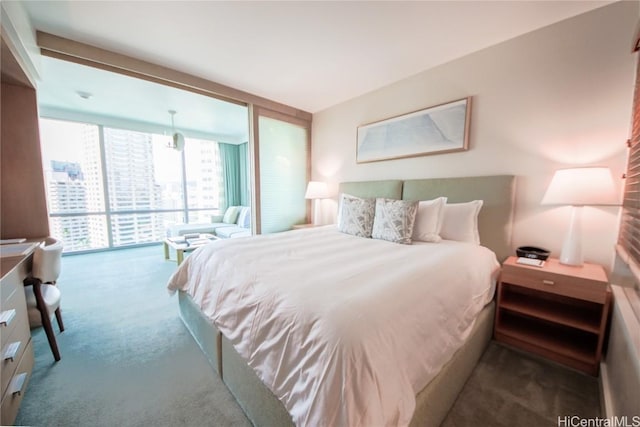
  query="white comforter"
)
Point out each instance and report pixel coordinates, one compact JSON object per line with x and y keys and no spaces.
{"x":343,"y":330}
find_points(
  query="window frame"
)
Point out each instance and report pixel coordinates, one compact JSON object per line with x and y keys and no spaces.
{"x":107,"y":211}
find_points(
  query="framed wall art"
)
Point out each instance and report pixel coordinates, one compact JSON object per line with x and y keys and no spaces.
{"x":439,"y":129}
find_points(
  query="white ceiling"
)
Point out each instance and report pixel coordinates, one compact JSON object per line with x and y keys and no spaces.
{"x":309,"y":55}
{"x":119,"y":100}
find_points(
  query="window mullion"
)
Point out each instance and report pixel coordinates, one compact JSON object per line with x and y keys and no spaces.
{"x":105,"y":185}
{"x":185,"y":199}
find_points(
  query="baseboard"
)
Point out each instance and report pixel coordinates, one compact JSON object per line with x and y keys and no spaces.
{"x":620,"y":369}
{"x":606,"y":399}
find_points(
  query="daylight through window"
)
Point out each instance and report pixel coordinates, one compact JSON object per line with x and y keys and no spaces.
{"x":110,"y":187}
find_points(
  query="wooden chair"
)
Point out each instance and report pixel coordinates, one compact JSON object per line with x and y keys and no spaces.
{"x":42,"y":294}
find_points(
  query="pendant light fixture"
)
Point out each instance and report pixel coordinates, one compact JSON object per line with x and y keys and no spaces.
{"x":177,"y":139}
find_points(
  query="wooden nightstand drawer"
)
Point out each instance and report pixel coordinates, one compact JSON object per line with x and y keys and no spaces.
{"x":590,"y":290}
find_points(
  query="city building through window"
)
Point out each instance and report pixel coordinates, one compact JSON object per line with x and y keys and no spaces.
{"x":109,"y":187}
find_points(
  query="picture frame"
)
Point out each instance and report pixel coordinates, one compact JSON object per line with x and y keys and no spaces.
{"x":439,"y":129}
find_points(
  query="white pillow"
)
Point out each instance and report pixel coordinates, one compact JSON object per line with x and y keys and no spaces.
{"x":231,"y":215}
{"x":244,"y":218}
{"x":460,"y":222}
{"x":429,"y":220}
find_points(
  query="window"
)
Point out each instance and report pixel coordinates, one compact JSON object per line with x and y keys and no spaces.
{"x":629,"y":237}
{"x":73,"y":182}
{"x":204,"y":184}
{"x":109,"y":187}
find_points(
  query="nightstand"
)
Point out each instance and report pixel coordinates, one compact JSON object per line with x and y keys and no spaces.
{"x":556,"y":311}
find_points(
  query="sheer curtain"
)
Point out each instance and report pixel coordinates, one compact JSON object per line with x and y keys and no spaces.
{"x":284,"y":154}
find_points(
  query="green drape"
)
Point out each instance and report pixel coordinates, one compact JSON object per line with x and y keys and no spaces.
{"x":234,"y":173}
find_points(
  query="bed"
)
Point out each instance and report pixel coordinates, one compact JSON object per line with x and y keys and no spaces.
{"x":273,"y":331}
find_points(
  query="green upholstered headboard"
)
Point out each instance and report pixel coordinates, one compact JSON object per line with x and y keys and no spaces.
{"x":496,"y":216}
{"x":390,"y":189}
{"x":497,"y":192}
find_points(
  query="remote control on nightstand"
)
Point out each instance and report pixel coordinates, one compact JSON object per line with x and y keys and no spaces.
{"x":530,"y":261}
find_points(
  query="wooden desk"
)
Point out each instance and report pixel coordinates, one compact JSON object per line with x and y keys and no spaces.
{"x":16,"y":349}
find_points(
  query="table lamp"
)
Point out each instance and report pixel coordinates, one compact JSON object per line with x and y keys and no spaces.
{"x":578,"y":187}
{"x":316,"y":190}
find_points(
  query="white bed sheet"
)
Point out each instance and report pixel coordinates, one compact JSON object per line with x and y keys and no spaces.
{"x":343,"y":330}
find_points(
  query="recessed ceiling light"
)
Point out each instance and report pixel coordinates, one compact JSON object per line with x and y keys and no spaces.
{"x":84,"y":95}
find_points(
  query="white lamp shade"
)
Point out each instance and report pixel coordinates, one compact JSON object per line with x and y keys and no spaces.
{"x":316,"y":190}
{"x":580,"y":187}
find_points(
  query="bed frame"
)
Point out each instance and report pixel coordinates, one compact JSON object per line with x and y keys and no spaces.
{"x":264,"y":409}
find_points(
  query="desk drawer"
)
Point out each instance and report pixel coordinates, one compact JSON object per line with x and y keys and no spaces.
{"x":12,"y":302}
{"x":17,"y":306}
{"x":12,"y":282}
{"x":590,"y":290}
{"x":11,"y":354}
{"x":10,"y":399}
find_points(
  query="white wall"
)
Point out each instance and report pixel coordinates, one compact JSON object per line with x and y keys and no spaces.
{"x":556,"y":97}
{"x":20,"y":37}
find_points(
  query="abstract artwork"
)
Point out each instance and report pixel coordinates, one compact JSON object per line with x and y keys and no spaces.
{"x":440,"y":129}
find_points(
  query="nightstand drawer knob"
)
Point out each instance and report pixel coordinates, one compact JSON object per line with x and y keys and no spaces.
{"x":548,"y":282}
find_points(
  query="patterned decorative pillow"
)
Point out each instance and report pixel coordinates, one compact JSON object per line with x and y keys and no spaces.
{"x":394,"y":220}
{"x":356,"y":215}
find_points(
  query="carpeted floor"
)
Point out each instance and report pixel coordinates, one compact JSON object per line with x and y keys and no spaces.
{"x":127,"y":360}
{"x":514,"y":389}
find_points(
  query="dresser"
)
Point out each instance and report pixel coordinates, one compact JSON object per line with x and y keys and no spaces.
{"x":16,"y":351}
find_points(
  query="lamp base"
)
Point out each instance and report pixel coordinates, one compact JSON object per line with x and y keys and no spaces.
{"x":316,"y":212}
{"x":572,"y":248}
